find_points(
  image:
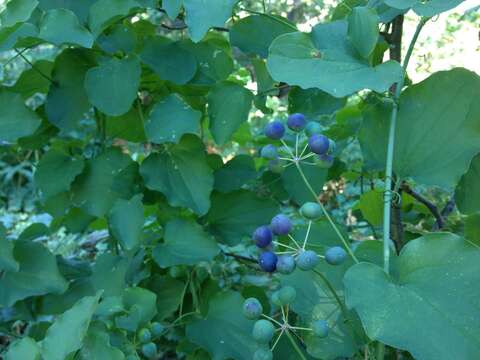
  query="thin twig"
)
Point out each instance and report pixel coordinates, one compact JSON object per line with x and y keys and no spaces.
{"x":34,"y":67}
{"x":430,"y":206}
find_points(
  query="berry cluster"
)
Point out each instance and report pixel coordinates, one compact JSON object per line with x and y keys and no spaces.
{"x":294,"y":254}
{"x":265,"y":327}
{"x":145,"y":337}
{"x":307,"y":136}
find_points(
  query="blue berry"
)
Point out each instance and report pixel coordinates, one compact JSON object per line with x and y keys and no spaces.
{"x":263,"y":331}
{"x":296,"y":122}
{"x":325,"y":161}
{"x":149,"y":350}
{"x":144,"y":336}
{"x":252,"y":309}
{"x":285,"y":264}
{"x":269,"y":152}
{"x":157,"y":329}
{"x":281,"y":224}
{"x":287,"y":295}
{"x":311,"y":210}
{"x":263,"y":354}
{"x":335,"y":255}
{"x":318,"y":144}
{"x":307,"y":260}
{"x":274,"y":130}
{"x":320,"y":328}
{"x":275,"y":166}
{"x":268,"y":261}
{"x":313,"y":127}
{"x":263,"y":236}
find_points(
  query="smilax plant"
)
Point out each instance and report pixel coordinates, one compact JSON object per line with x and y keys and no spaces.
{"x":207,"y":181}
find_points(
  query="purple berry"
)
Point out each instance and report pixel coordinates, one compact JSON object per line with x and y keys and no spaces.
{"x":318,"y":144}
{"x":296,"y":122}
{"x":325,"y":161}
{"x":281,"y":224}
{"x":263,"y":236}
{"x":335,"y":255}
{"x":268,"y":261}
{"x":269,"y":152}
{"x":274,"y":130}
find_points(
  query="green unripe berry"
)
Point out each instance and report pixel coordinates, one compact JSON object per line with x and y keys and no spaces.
{"x":263,"y":354}
{"x":307,"y":260}
{"x":157,"y":329}
{"x":149,"y":350}
{"x":320,"y":328}
{"x":263,"y":331}
{"x":287,"y":295}
{"x":311,"y":210}
{"x":313,"y":127}
{"x":144,"y":335}
{"x":276,"y":299}
{"x":252,"y":309}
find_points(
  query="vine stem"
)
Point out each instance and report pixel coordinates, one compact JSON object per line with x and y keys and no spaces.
{"x":390,"y":150}
{"x":325,"y":212}
{"x":295,"y":345}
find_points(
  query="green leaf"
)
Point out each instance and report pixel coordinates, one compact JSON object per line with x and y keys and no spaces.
{"x":141,"y":306}
{"x":425,"y":8}
{"x":254,"y":34}
{"x":80,"y":8}
{"x":7,"y":261}
{"x":112,"y":174}
{"x":172,"y":7}
{"x":170,"y":119}
{"x":313,"y":103}
{"x":236,"y":215}
{"x":61,"y":26}
{"x":185,"y":243}
{"x":235,"y":173}
{"x":126,"y":221}
{"x":25,"y":349}
{"x":467,"y":192}
{"x":325,"y":59}
{"x":120,"y":38}
{"x":17,"y":11}
{"x":202,"y":15}
{"x":16,"y":120}
{"x":472,"y":228}
{"x":438,"y":149}
{"x":109,"y":274}
{"x":67,"y":100}
{"x":38,"y":274}
{"x":66,"y":334}
{"x":363,"y":29}
{"x":31,"y":81}
{"x":56,"y":171}
{"x":265,"y":84}
{"x":427,"y":309}
{"x":169,"y":294}
{"x":112,"y":86}
{"x":103,"y":13}
{"x":128,"y":126}
{"x":181,"y":174}
{"x":96,"y":346}
{"x":228,"y":107}
{"x":295,"y":186}
{"x":13,"y":35}
{"x":371,"y":206}
{"x":224,"y":332}
{"x":169,"y":60}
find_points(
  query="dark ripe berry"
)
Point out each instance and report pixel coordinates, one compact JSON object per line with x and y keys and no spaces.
{"x":335,"y":255}
{"x":274,"y":130}
{"x":281,"y":224}
{"x":157,"y":329}
{"x":325,"y":161}
{"x":268,"y":261}
{"x":144,"y":336}
{"x":313,"y":127}
{"x":307,"y":260}
{"x":311,"y":210}
{"x":263,"y":331}
{"x":275,"y":166}
{"x":318,"y":144}
{"x":269,"y":152}
{"x":263,"y":354}
{"x":287,"y":295}
{"x":296,"y":122}
{"x":320,"y":328}
{"x":252,"y":309}
{"x":263,"y":236}
{"x":149,"y":350}
{"x":285,"y":264}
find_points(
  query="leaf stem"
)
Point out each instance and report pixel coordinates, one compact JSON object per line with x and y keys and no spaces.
{"x":295,"y":345}
{"x":390,"y":150}
{"x":325,"y":212}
